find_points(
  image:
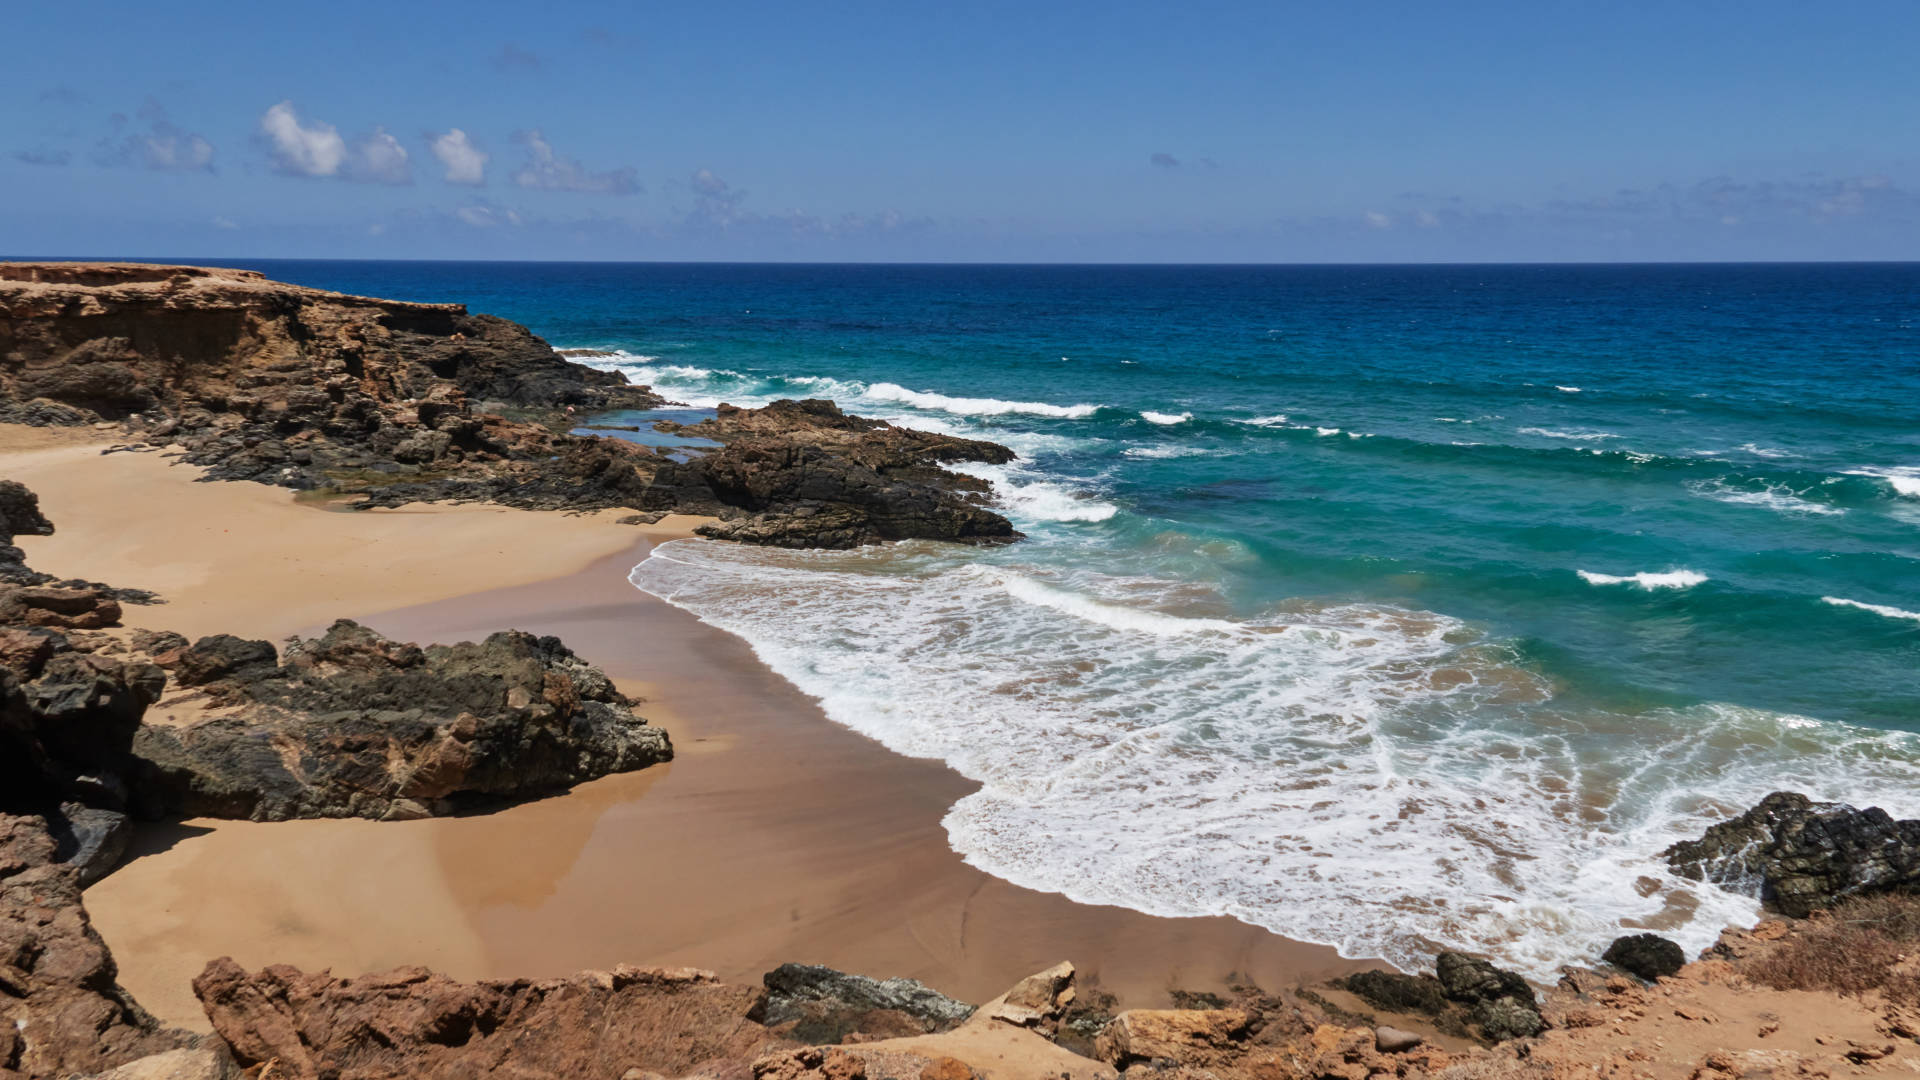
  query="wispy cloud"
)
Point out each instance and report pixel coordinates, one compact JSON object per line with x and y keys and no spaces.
{"x":465,"y":163}
{"x":512,"y":57}
{"x":161,"y":146}
{"x":43,"y":157}
{"x":547,"y":171}
{"x":316,"y":148}
{"x":485,"y":216}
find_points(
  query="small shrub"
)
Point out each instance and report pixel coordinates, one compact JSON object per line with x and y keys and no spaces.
{"x":1855,"y":947}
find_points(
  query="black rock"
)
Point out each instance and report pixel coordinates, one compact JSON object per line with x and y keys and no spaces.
{"x":1420,"y":995}
{"x":1649,"y":956}
{"x":1797,"y":855}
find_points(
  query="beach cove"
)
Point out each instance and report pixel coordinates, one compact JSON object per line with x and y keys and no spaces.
{"x":774,"y":836}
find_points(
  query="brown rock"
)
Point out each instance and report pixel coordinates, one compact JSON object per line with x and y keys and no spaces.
{"x":946,"y":1068}
{"x":60,"y":1007}
{"x":410,"y":1022}
{"x":1038,"y":998}
{"x":1187,"y":1036}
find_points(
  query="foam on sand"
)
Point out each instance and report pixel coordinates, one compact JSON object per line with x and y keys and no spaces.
{"x":1383,"y":780}
{"x":1647,"y":579}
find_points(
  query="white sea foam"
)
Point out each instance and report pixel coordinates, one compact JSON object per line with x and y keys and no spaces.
{"x":1765,"y":451}
{"x":1776,"y":497}
{"x":1164,"y":451}
{"x":966,"y":406}
{"x":1904,"y":479}
{"x":1577,"y":436}
{"x":1027,"y":500}
{"x":1276,"y":420}
{"x":1878,"y":609}
{"x":1323,"y":432}
{"x":1647,"y":579}
{"x":1568,"y":389}
{"x":1152,"y":417}
{"x":1380,"y":780}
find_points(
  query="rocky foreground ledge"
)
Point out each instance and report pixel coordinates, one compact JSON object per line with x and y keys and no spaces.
{"x":398,"y":402}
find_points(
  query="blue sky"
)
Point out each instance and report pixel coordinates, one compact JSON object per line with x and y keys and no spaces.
{"x":1264,"y":132}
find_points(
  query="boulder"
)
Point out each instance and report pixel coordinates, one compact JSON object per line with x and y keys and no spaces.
{"x":1798,"y":856}
{"x":1196,"y":1037}
{"x":61,"y":1011}
{"x":1649,"y":956}
{"x":813,"y":1004}
{"x":1038,"y":1000}
{"x":410,"y":1022}
{"x":1500,"y":1003}
{"x":351,"y":724}
{"x":1393,"y":1040}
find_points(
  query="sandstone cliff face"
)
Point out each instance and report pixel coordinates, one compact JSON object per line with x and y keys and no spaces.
{"x":400,"y":402}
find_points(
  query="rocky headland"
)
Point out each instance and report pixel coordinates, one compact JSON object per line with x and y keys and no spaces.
{"x":394,"y":402}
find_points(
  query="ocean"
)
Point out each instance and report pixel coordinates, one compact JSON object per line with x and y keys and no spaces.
{"x":1393,"y":608}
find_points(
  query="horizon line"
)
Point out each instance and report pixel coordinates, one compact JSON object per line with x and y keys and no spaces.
{"x":217,"y":260}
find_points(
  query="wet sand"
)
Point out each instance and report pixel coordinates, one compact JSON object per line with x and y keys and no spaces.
{"x":775,"y":835}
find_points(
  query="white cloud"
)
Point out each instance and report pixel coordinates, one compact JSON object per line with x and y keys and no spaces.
{"x":224,"y":223}
{"x":316,"y":148}
{"x":465,"y":162}
{"x":163,"y":146}
{"x":382,"y":159}
{"x":1426,"y":219}
{"x":1378,"y":220}
{"x":548,"y":171}
{"x":302,"y":150}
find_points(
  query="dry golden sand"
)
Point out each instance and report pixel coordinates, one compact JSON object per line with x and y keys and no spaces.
{"x":776,"y":835}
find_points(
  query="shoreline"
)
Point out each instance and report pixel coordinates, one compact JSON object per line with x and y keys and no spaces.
{"x":776,"y":835}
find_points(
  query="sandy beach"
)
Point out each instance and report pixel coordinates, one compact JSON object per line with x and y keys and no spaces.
{"x":776,"y":835}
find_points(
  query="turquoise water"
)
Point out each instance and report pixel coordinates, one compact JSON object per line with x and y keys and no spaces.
{"x":1394,"y":608}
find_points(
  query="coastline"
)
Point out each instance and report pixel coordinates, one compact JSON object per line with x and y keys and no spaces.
{"x":776,"y":835}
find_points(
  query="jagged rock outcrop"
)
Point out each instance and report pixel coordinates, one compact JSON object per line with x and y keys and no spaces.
{"x":1798,"y":855}
{"x":812,"y":1004}
{"x":1465,"y":996}
{"x":61,"y":1011}
{"x":67,"y":720}
{"x":351,"y":724}
{"x":400,"y":402}
{"x":410,"y":1023}
{"x":811,"y":476}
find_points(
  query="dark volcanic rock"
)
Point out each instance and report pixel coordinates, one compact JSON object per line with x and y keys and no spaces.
{"x":1500,"y":1003}
{"x":67,"y":720}
{"x":812,"y":476}
{"x":351,"y":724}
{"x":1798,"y":855}
{"x":814,"y":1004}
{"x":61,"y":1011}
{"x":1649,"y":956}
{"x":1418,"y":995}
{"x":410,"y":1022}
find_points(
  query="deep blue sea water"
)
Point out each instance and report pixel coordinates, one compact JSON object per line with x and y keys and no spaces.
{"x":1390,"y":607}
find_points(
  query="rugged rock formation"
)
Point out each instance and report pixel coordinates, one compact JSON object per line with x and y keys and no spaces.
{"x":812,"y":476}
{"x":61,"y":1012}
{"x":400,"y":402}
{"x":818,"y":1005}
{"x":67,"y":720}
{"x":351,"y":724}
{"x":410,"y":1022}
{"x":1798,"y":855}
{"x":1649,"y":956}
{"x":1466,"y":996}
